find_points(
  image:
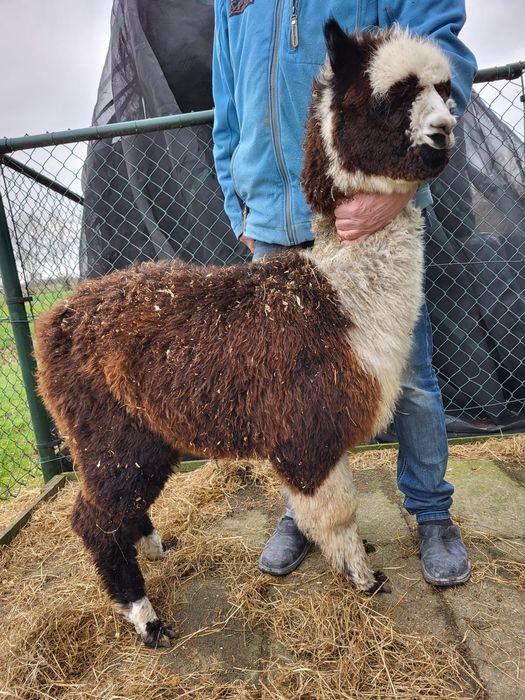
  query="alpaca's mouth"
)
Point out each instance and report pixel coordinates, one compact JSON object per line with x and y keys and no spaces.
{"x":433,"y":159}
{"x":439,"y":140}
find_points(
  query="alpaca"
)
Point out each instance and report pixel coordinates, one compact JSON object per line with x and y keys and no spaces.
{"x":294,"y":359}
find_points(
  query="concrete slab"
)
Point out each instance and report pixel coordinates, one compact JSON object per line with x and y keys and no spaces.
{"x":380,"y":517}
{"x":514,"y":469}
{"x":484,"y":619}
{"x":491,"y":619}
{"x":486,"y":498}
{"x":251,"y":526}
{"x":415,"y":606}
{"x":228,"y":647}
{"x":380,"y":520}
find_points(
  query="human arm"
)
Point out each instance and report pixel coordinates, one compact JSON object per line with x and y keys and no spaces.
{"x":225,"y":124}
{"x":248,"y":242}
{"x":441,"y":20}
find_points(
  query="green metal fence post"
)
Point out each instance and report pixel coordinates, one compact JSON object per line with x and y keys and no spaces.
{"x":49,"y":460}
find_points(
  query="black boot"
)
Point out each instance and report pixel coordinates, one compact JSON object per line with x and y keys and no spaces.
{"x":444,"y":559}
{"x":285,"y":549}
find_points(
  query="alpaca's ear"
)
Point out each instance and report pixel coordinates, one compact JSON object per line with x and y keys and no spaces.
{"x":344,"y":51}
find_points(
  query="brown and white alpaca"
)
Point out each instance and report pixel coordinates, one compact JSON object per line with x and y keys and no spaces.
{"x":295,"y":358}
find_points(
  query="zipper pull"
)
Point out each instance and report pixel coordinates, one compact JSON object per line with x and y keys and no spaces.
{"x":294,"y":26}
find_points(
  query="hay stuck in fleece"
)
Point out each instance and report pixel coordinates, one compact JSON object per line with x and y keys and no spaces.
{"x":60,"y":637}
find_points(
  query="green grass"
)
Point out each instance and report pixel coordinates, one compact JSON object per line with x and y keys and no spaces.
{"x":18,"y":454}
{"x":41,"y":302}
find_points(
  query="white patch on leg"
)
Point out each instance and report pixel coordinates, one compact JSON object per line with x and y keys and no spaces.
{"x":151,"y":546}
{"x":329,"y":518}
{"x":139,"y":613}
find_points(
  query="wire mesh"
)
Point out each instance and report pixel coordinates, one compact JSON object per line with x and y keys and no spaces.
{"x":83,"y":209}
{"x":43,"y":224}
{"x":475,"y":261}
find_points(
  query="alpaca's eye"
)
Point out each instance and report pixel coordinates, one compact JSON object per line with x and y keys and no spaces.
{"x":404,"y":92}
{"x":443,"y":90}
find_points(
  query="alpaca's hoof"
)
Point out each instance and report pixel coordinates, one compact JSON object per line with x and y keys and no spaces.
{"x":369,"y":547}
{"x":380,"y":584}
{"x":158,"y":635}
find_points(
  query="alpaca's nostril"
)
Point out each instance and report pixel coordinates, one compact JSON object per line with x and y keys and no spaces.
{"x":439,"y":140}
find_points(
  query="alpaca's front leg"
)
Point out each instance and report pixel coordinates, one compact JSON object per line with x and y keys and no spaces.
{"x":328,"y":517}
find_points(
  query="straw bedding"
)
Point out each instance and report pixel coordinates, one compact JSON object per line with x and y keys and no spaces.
{"x":319,"y":639}
{"x":510,"y":450}
{"x":10,"y":508}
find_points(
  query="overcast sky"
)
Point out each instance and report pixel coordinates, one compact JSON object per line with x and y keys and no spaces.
{"x":52,"y":53}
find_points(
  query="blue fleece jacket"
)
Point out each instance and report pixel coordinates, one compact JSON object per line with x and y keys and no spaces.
{"x":266,"y":55}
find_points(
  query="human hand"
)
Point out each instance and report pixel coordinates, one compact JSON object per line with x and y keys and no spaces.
{"x":248,"y":242}
{"x":367,"y":213}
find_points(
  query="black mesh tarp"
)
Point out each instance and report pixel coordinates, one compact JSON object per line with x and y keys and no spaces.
{"x":154,"y":196}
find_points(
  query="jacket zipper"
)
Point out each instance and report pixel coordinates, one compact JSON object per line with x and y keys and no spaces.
{"x":273,"y":123}
{"x":294,"y":29}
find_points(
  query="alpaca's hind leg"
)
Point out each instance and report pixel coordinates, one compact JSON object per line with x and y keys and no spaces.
{"x":328,"y":517}
{"x":123,"y":468}
{"x":110,"y":543}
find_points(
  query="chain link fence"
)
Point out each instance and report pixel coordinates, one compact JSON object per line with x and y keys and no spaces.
{"x":78,"y":205}
{"x":475,"y":263}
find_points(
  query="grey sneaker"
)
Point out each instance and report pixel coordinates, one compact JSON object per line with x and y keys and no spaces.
{"x":285,"y":549}
{"x":444,"y":559}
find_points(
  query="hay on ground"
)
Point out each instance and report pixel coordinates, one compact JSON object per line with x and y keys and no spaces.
{"x":60,"y":637}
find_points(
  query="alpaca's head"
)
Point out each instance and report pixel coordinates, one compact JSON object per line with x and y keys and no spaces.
{"x":380,"y":116}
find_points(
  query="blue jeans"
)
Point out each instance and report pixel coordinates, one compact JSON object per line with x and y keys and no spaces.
{"x":421,"y":431}
{"x":420,"y":426}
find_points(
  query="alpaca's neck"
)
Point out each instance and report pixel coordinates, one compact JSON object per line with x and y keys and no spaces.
{"x":383,"y":263}
{"x":379,"y":280}
{"x":400,"y":240}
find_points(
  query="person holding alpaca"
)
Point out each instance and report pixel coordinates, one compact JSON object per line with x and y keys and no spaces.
{"x":266,"y":55}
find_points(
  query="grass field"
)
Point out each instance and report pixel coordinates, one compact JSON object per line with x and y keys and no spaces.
{"x":18,"y":454}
